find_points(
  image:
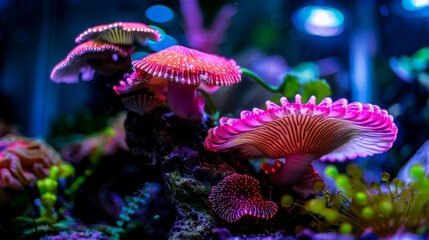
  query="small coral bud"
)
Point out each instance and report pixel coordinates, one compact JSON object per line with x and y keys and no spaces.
{"x":330,"y":214}
{"x":278,"y":164}
{"x":47,"y":185}
{"x":367,"y":213}
{"x":342,"y":181}
{"x":109,"y":131}
{"x":361,"y":198}
{"x":318,"y":185}
{"x":376,"y":186}
{"x":54,"y":172}
{"x":286,"y":200}
{"x":417,"y":171}
{"x":66,"y":170}
{"x":48,"y":200}
{"x":316,"y":205}
{"x":266,"y":168}
{"x":398,"y":183}
{"x":346,"y":228}
{"x":386,"y":208}
{"x":331,"y":171}
{"x":354,"y":171}
{"x":385,"y":176}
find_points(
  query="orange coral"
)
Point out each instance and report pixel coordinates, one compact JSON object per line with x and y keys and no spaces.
{"x":24,"y":160}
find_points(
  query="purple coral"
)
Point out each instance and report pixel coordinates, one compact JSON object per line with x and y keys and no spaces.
{"x":238,"y":195}
{"x":301,"y":133}
{"x":199,"y":37}
{"x":73,"y":235}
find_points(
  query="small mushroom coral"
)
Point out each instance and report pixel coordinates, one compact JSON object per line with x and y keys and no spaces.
{"x":122,"y":33}
{"x":303,"y":132}
{"x":90,"y":57}
{"x":141,"y":92}
{"x":24,"y":160}
{"x":186,"y":69}
{"x":238,"y":195}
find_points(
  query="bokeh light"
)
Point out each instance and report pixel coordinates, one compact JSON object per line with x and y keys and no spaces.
{"x":414,"y":5}
{"x":321,"y":21}
{"x":160,"y":14}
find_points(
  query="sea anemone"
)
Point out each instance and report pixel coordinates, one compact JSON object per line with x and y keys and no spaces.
{"x":238,"y":195}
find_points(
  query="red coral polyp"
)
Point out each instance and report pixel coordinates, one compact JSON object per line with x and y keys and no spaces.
{"x":238,"y":195}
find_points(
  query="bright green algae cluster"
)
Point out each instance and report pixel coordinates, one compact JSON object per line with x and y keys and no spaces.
{"x":384,"y":208}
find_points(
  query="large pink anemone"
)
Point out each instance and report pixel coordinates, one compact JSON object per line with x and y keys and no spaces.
{"x":302,"y":132}
{"x":185,"y":69}
{"x":90,"y":57}
{"x":122,"y":33}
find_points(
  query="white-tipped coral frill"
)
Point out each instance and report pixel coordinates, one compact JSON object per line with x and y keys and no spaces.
{"x":123,"y":33}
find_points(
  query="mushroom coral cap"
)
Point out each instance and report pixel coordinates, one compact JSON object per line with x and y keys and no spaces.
{"x":189,"y":66}
{"x":332,"y":131}
{"x":238,"y":195}
{"x":79,"y":59}
{"x":120,"y":33}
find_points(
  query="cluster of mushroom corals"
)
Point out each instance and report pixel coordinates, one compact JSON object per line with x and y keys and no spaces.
{"x":104,"y":49}
{"x":303,"y":132}
{"x":296,"y":132}
{"x":23,"y":161}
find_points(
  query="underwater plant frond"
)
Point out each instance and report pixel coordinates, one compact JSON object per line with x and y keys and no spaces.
{"x":139,"y":199}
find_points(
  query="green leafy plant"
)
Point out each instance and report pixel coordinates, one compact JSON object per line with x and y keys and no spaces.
{"x":292,"y":85}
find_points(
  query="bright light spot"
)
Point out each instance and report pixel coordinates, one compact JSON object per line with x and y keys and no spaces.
{"x":325,"y":18}
{"x":322,"y":21}
{"x":160,"y":14}
{"x":414,"y":5}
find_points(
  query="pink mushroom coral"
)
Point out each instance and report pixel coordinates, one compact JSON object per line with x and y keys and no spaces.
{"x":24,"y":160}
{"x":89,"y":57}
{"x":141,"y":92}
{"x":185,"y":69}
{"x":238,"y":195}
{"x":301,"y":133}
{"x":122,"y":33}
